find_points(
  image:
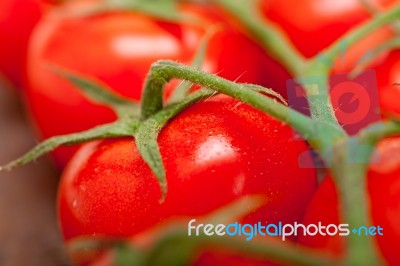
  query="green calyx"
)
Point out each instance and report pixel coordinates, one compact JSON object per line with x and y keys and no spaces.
{"x":322,"y":130}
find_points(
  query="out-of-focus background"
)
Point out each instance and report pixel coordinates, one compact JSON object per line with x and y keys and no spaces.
{"x":29,"y":233}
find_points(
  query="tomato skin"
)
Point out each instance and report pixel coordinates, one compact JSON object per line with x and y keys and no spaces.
{"x":210,"y":159}
{"x":117,"y":49}
{"x":94,"y":46}
{"x":388,"y":78}
{"x":381,"y":95}
{"x":17,"y":19}
{"x":312,"y":25}
{"x":109,"y":206}
{"x":384,"y":192}
{"x":236,"y":57}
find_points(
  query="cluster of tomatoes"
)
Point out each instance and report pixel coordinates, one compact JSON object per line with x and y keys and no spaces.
{"x":214,"y":152}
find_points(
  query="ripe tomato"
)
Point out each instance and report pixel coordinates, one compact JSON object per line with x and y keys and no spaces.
{"x":118,"y":48}
{"x":314,"y":24}
{"x":388,"y":75}
{"x":375,"y":98}
{"x":317,"y":24}
{"x":384,"y":191}
{"x":214,"y":152}
{"x":17,"y":19}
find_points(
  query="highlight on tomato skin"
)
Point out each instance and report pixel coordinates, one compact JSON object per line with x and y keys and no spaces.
{"x":216,"y":151}
{"x":98,"y":46}
{"x":384,"y":195}
{"x":118,"y":48}
{"x":312,"y":25}
{"x":210,"y":160}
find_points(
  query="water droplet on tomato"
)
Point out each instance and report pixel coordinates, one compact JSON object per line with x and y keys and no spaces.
{"x":74,"y":204}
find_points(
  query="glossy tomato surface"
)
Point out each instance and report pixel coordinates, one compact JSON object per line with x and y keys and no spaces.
{"x":384,"y":195}
{"x":370,"y":96}
{"x":214,"y":152}
{"x":312,"y":25}
{"x":17,"y":19}
{"x":118,"y":48}
{"x":388,"y":76}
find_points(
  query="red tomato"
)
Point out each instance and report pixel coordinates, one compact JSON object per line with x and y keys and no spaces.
{"x":236,"y":57}
{"x":314,"y":24}
{"x":367,"y":95}
{"x":17,"y":19}
{"x":118,"y":49}
{"x":388,"y":75}
{"x":214,"y":152}
{"x":384,"y":191}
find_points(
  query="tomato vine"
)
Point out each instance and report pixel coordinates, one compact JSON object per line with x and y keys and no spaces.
{"x":338,"y":150}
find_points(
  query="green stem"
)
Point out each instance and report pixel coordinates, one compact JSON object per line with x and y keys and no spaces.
{"x":162,"y":10}
{"x":374,"y":10}
{"x":374,"y":133}
{"x":154,"y":85}
{"x":320,"y":105}
{"x":350,"y":159}
{"x":368,"y":58}
{"x":275,"y":42}
{"x":278,"y":45}
{"x":349,"y":173}
{"x":147,"y":134}
{"x":176,"y":246}
{"x":316,"y":85}
{"x":355,"y":35}
{"x":184,"y":88}
{"x":319,"y":134}
{"x":350,"y":164}
{"x":121,"y":128}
